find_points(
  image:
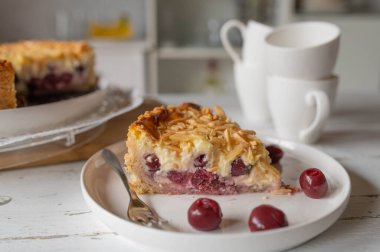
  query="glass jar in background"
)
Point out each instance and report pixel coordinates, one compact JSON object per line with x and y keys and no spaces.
{"x":70,"y":24}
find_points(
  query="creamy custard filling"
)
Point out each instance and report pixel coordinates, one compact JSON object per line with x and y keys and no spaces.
{"x":180,"y":167}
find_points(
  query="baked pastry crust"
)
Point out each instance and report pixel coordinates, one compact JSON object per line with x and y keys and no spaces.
{"x":7,"y":86}
{"x":179,"y":135}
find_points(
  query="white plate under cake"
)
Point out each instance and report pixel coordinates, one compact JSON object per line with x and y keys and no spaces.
{"x":106,"y":196}
{"x":189,"y":149}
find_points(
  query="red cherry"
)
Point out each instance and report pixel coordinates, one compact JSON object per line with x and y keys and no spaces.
{"x":153,"y":163}
{"x":265,"y":217}
{"x":200,"y":161}
{"x":238,"y":168}
{"x":313,"y":183}
{"x":177,"y":177}
{"x":275,"y":153}
{"x":200,"y":177}
{"x":204,"y":214}
{"x":66,"y":77}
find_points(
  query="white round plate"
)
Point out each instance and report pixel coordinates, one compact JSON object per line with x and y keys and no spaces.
{"x":49,"y":115}
{"x":64,"y":119}
{"x":106,"y":196}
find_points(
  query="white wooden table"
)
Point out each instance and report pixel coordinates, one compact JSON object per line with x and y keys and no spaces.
{"x":42,"y":209}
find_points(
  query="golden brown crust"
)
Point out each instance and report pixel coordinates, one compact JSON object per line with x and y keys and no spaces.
{"x":140,"y":186}
{"x":176,"y":133}
{"x":41,"y":49}
{"x":7,"y":87}
{"x":180,"y":123}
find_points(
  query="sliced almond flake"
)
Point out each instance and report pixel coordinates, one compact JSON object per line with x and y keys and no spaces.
{"x":206,"y":117}
{"x":191,"y":121}
{"x":253,"y":143}
{"x":212,"y":133}
{"x":211,"y":124}
{"x":239,"y":138}
{"x":177,"y":121}
{"x":235,"y":152}
{"x":202,"y":130}
{"x":227,"y":136}
{"x":216,"y":124}
{"x":249,"y":132}
{"x":221,"y":128}
{"x":200,"y":125}
{"x":225,"y":126}
{"x":166,"y":135}
{"x":257,"y":157}
{"x":177,"y":127}
{"x":170,"y":130}
{"x":181,"y":137}
{"x":206,"y":111}
{"x":181,"y":124}
{"x":251,"y":137}
{"x":174,"y":148}
{"x":219,"y":111}
{"x":218,"y":142}
{"x":250,"y":153}
{"x":192,"y":114}
{"x":282,"y":191}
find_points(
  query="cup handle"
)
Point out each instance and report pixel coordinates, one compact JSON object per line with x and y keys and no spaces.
{"x":321,"y":101}
{"x":225,"y":41}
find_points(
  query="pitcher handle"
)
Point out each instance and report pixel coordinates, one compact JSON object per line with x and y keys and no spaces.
{"x":226,"y":42}
{"x":321,"y":101}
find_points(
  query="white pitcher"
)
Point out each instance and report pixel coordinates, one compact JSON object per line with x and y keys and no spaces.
{"x":253,"y":34}
{"x":250,"y":70}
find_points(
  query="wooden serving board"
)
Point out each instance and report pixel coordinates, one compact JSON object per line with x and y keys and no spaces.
{"x":88,"y":143}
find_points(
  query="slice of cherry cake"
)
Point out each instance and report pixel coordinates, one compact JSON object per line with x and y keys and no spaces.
{"x":188,"y":149}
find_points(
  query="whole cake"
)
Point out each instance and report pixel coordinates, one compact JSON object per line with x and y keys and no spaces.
{"x":188,"y":149}
{"x":44,"y":69}
{"x":7,"y":86}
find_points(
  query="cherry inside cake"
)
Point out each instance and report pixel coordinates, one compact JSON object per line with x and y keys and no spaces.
{"x":189,"y":149}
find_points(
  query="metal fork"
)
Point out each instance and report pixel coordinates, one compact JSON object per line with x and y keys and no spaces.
{"x":138,"y":211}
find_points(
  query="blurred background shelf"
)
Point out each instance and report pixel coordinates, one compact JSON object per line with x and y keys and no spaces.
{"x":175,"y":45}
{"x":167,"y":53}
{"x":126,"y":45}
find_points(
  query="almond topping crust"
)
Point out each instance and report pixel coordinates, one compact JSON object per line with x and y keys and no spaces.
{"x":189,"y":121}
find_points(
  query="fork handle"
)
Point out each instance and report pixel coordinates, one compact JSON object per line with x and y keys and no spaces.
{"x":112,"y":160}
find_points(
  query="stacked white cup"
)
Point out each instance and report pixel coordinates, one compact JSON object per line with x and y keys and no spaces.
{"x":301,"y":84}
{"x":250,"y":68}
{"x":291,"y":69}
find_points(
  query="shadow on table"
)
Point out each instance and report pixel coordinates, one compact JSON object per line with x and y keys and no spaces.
{"x":351,"y":144}
{"x":350,"y":136}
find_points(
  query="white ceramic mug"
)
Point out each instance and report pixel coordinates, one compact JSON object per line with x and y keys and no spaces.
{"x":305,"y":50}
{"x":250,"y":82}
{"x":253,"y":41}
{"x":300,"y":108}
